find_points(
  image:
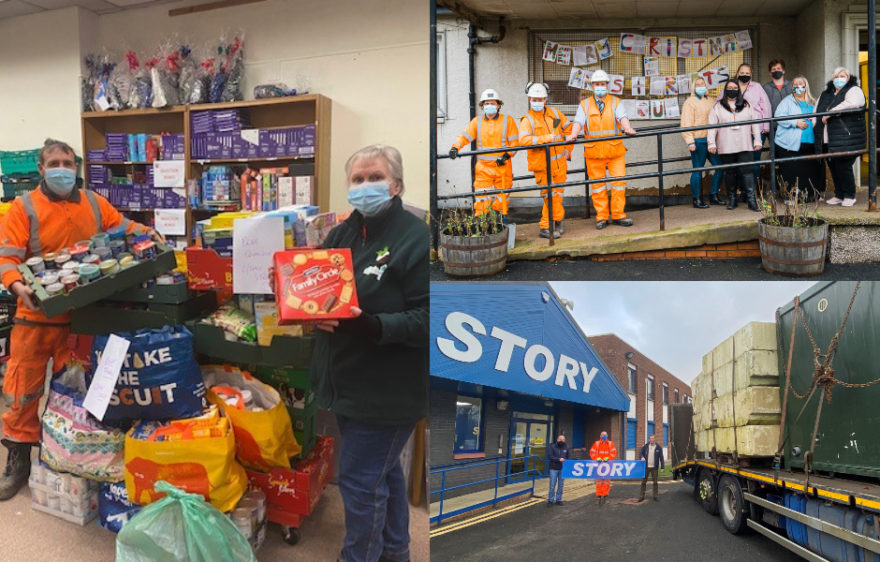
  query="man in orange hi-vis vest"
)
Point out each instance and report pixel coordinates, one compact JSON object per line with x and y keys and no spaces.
{"x":493,"y":171}
{"x":56,"y":215}
{"x":543,"y":125}
{"x":603,"y":450}
{"x":602,"y":115}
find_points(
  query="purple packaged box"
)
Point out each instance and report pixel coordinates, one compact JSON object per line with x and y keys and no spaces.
{"x":172,"y":200}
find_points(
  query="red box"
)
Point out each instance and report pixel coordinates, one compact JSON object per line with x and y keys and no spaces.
{"x":206,"y":271}
{"x":292,"y":493}
{"x":314,"y":284}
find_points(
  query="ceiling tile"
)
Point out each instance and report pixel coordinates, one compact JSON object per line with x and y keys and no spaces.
{"x":52,"y":4}
{"x":14,"y":8}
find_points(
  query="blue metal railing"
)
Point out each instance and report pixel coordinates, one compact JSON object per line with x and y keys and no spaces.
{"x":443,"y":470}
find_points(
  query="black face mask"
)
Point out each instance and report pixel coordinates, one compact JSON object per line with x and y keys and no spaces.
{"x":560,"y":444}
{"x":731,"y":93}
{"x":744,"y":79}
{"x":776,"y":74}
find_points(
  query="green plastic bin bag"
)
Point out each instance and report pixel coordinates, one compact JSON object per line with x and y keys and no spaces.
{"x":181,"y":527}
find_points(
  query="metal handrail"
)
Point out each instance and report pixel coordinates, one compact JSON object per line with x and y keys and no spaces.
{"x":660,"y":173}
{"x":444,"y":469}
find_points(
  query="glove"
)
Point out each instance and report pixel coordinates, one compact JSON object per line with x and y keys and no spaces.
{"x":453,"y":153}
{"x":503,"y":160}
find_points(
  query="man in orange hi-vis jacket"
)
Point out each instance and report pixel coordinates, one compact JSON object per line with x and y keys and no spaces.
{"x":56,"y":215}
{"x":603,"y":450}
{"x":493,"y":171}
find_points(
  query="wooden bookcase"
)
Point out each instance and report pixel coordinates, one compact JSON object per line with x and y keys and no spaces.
{"x":264,"y":114}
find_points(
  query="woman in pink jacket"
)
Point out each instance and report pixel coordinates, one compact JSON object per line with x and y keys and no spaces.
{"x":754,"y":93}
{"x":735,"y":142}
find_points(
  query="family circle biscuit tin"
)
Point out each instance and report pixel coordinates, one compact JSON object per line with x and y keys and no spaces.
{"x":314,"y":285}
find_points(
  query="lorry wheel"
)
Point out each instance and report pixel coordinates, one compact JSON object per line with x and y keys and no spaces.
{"x":731,"y":505}
{"x":707,"y":486}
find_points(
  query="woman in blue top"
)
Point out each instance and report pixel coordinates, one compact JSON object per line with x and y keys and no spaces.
{"x":795,"y":138}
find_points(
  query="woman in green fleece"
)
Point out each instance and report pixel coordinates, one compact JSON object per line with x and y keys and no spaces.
{"x":372,"y":371}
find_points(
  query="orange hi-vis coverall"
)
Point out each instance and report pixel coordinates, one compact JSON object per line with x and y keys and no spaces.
{"x":550,"y":125}
{"x":603,"y":451}
{"x":605,"y":154}
{"x":39,"y":223}
{"x":489,"y":132}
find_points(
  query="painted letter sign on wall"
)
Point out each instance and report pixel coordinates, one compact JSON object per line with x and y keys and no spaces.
{"x":608,"y":470}
{"x":517,"y":337}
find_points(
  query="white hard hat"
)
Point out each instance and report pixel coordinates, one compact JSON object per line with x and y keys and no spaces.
{"x":490,"y":95}
{"x":536,"y":90}
{"x":599,"y":76}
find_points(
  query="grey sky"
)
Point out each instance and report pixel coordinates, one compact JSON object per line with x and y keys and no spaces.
{"x":675,"y":323}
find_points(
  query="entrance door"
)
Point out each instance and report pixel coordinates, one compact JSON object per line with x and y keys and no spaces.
{"x":528,"y":448}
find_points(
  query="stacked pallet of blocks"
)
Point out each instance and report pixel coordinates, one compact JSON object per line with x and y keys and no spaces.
{"x":736,"y":396}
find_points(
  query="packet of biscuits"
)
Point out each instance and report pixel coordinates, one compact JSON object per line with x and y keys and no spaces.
{"x":314,"y":285}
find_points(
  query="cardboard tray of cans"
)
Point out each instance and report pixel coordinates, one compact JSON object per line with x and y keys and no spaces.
{"x":103,"y":287}
{"x":284,"y":350}
{"x":105,"y":317}
{"x":77,"y":498}
{"x":292,"y":493}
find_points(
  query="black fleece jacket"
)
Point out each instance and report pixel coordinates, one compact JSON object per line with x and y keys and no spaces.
{"x":374,"y":369}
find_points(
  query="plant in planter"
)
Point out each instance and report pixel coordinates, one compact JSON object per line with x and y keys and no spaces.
{"x":472,"y":245}
{"x":793,"y":239}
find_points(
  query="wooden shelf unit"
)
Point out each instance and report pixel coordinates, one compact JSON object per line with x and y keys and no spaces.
{"x":264,"y":114}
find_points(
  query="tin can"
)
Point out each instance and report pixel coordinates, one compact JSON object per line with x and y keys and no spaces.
{"x":104,"y":252}
{"x":117,"y":247}
{"x":70,"y":267}
{"x":117,"y":233}
{"x":126,"y":261}
{"x":55,"y":289}
{"x":100,"y":240}
{"x":253,"y":509}
{"x":260,"y":497}
{"x":241,"y":518}
{"x":50,"y":277}
{"x":93,"y":259}
{"x":88,"y":272}
{"x":49,"y":260}
{"x":109,"y":267}
{"x":61,"y":259}
{"x":36,"y":264}
{"x":78,"y":253}
{"x":84,"y":244}
{"x":145,"y":250}
{"x":70,"y":281}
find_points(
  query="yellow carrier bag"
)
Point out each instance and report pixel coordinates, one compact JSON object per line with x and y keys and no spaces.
{"x":196,"y":455}
{"x":263,"y":438}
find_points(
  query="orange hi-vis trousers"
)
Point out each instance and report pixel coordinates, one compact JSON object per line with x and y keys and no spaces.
{"x":30,"y":348}
{"x":596,"y":169}
{"x":489,"y":175}
{"x":558,"y":210}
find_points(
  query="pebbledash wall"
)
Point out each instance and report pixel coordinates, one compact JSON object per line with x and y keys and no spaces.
{"x":369,"y":57}
{"x":640,"y":377}
{"x":483,"y":342}
{"x":822,"y":36}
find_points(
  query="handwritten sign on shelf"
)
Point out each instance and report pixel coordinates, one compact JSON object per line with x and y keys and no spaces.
{"x":254,"y":241}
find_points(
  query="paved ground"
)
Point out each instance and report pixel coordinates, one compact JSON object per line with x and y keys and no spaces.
{"x":743,"y":269}
{"x":673,"y":529}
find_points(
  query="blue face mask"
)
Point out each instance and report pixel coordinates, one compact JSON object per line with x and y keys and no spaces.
{"x":600,"y":91}
{"x":604,"y":438}
{"x":370,"y":198}
{"x":60,"y":180}
{"x":537,"y":105}
{"x":839,"y":83}
{"x":700,"y":91}
{"x":490,"y":109}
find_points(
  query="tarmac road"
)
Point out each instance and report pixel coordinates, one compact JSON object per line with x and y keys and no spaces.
{"x":740,"y":269}
{"x":674,"y":529}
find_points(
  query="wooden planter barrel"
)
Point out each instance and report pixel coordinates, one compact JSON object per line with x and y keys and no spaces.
{"x":798,"y":252}
{"x":473,"y":256}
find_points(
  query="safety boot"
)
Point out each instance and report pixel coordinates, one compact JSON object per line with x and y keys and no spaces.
{"x":544,"y":233}
{"x":560,"y":229}
{"x":699,"y":204}
{"x":732,"y":203}
{"x":18,"y":469}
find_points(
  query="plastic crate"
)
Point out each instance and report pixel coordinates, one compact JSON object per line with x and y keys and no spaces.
{"x":19,"y":161}
{"x":13,"y":186}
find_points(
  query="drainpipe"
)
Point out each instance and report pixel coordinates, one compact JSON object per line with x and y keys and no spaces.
{"x":872,"y":106}
{"x":473,"y":42}
{"x":432,"y":111}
